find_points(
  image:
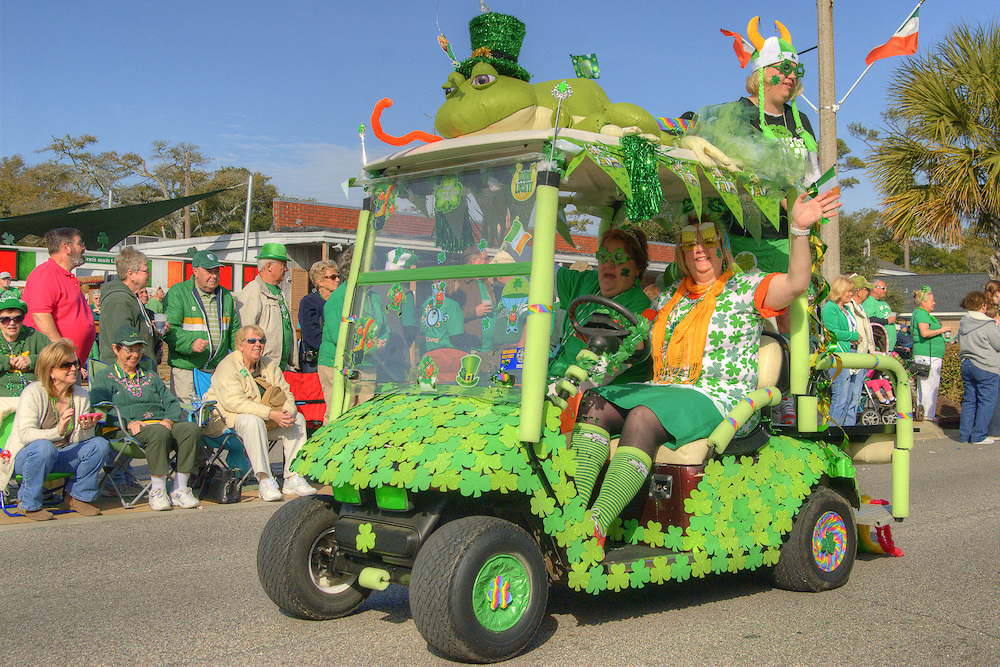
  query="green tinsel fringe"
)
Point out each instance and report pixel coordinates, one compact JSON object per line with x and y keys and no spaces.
{"x":445,"y":238}
{"x":641,"y":162}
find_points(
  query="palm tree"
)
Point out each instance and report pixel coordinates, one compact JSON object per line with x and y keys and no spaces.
{"x":938,"y":164}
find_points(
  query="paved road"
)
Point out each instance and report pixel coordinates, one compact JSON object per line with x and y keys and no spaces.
{"x":180,"y":588}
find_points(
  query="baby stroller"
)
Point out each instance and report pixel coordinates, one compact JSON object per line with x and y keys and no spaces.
{"x":874,"y":411}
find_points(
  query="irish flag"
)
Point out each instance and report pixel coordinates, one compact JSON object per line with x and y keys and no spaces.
{"x":744,"y":49}
{"x":903,"y":43}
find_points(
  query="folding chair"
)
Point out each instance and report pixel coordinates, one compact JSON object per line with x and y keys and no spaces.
{"x":59,"y":492}
{"x":308,"y":393}
{"x":227,"y":441}
{"x":125,"y":446}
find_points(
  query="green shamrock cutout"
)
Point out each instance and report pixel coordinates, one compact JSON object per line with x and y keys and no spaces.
{"x":365,"y":539}
{"x":617,"y":577}
{"x":640,"y":574}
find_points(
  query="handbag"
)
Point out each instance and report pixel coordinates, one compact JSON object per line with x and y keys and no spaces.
{"x":273,"y":397}
{"x":220,"y":485}
{"x":921,"y":370}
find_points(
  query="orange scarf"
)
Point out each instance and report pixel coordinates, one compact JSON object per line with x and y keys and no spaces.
{"x":682,"y":361}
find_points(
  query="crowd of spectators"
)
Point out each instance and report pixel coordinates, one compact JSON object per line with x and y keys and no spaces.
{"x":63,"y":420}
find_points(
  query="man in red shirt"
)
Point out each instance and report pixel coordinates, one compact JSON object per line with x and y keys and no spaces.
{"x":56,"y":306}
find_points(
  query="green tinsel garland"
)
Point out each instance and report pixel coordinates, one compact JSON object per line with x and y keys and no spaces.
{"x":641,"y":162}
{"x":445,"y":238}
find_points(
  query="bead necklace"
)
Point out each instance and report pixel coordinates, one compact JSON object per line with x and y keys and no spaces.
{"x":14,"y":386}
{"x":134,"y":387}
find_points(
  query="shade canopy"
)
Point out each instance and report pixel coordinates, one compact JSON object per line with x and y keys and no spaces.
{"x":101,"y":228}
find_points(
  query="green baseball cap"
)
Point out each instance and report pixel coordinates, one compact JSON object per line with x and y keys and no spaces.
{"x":205,"y":259}
{"x":273,"y":251}
{"x":861,"y":281}
{"x":127,"y":335}
{"x":10,"y":300}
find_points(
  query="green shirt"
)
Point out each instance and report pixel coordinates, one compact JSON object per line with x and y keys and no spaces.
{"x":287,"y":340}
{"x":439,"y":322}
{"x":875,"y":308}
{"x":571,"y":284}
{"x":932,"y":346}
{"x":154,"y":306}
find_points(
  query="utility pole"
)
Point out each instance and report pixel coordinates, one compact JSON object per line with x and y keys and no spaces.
{"x":830,"y":232}
{"x":187,"y":191}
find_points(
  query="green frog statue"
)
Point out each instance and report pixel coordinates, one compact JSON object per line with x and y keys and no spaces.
{"x":490,"y":92}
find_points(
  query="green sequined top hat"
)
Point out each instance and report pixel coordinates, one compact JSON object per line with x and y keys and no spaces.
{"x":496,"y":39}
{"x":273,"y":251}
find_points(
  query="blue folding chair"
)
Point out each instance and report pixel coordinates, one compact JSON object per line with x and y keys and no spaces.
{"x":58,"y":493}
{"x":227,"y":441}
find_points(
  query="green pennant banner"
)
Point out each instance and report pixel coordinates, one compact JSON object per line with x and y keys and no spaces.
{"x":728,"y":191}
{"x":688,"y":173}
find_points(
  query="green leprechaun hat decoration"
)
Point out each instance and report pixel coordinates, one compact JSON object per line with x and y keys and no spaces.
{"x":467,"y":377}
{"x":496,"y":39}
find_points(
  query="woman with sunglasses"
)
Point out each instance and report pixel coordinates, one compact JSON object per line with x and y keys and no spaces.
{"x":622,"y":258}
{"x":54,"y":432}
{"x":704,"y":344}
{"x":239,"y":384}
{"x":929,"y":339}
{"x":19,"y":349}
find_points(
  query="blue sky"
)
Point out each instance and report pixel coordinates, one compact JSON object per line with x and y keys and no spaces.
{"x":281,"y":87}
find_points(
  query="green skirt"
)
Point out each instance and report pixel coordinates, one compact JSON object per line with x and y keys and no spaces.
{"x":684,"y":412}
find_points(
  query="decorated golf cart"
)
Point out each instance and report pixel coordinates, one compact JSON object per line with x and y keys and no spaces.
{"x":456,"y":479}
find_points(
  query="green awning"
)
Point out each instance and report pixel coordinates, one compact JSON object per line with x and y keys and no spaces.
{"x":101,"y":228}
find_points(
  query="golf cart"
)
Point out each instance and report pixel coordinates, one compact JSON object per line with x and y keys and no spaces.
{"x":455,"y":478}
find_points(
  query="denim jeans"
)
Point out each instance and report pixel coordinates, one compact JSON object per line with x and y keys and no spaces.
{"x":846,"y":392}
{"x":84,"y":459}
{"x":980,"y":397}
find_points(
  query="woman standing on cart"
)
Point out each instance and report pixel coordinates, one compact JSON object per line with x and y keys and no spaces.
{"x":704,"y":348}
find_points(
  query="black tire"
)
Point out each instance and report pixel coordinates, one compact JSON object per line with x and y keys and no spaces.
{"x":448,"y":577}
{"x":870,"y":417}
{"x":801,"y":567}
{"x":290,"y":569}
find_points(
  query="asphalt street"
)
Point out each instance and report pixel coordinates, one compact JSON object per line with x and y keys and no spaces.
{"x":180,"y":588}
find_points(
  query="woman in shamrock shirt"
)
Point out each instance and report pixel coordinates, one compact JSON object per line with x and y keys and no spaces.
{"x":704,"y":346}
{"x":929,"y":339}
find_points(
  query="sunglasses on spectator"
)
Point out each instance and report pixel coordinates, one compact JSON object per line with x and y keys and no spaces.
{"x":254,"y":341}
{"x":17,"y":319}
{"x":66,"y":365}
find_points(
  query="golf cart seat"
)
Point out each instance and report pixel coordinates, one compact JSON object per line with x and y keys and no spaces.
{"x":772,"y":371}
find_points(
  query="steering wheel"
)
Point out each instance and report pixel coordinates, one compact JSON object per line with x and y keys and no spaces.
{"x":603,"y":332}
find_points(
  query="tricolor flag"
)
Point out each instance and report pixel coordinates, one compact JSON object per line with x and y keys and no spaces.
{"x":903,"y":43}
{"x":744,"y":49}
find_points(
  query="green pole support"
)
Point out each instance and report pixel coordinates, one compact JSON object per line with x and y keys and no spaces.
{"x":738,"y":416}
{"x":904,"y":420}
{"x":339,"y":389}
{"x":808,"y":414}
{"x":798,"y":347}
{"x":539,"y":324}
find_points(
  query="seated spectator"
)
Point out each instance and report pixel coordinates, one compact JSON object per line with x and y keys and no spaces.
{"x":153,"y":416}
{"x":95,"y":303}
{"x":5,"y":279}
{"x":19,"y":349}
{"x":54,"y":432}
{"x":239,"y":384}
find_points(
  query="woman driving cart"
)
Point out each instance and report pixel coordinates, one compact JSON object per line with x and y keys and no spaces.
{"x":704,"y":346}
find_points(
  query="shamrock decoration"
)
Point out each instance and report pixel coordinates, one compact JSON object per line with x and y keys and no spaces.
{"x":365,"y":539}
{"x":8,"y":238}
{"x":482,"y":245}
{"x":448,"y":194}
{"x":102,"y":241}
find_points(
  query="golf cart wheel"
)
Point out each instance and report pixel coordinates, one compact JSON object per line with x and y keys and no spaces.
{"x":294,"y":562}
{"x":889,"y":417}
{"x":819,"y":552}
{"x":870,"y":417}
{"x":478,"y":590}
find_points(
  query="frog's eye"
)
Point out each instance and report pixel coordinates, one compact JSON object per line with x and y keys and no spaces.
{"x":449,"y":91}
{"x":483,"y":80}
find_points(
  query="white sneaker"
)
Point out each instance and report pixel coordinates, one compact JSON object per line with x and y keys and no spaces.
{"x":158,"y":501}
{"x":268,"y":490}
{"x":183,"y":498}
{"x":296,"y":485}
{"x":985,"y":441}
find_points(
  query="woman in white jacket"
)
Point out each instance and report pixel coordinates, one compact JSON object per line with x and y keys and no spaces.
{"x":54,"y":432}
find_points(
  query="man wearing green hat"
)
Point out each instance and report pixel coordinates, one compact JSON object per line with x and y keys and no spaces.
{"x":203,"y":323}
{"x":263,"y":304}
